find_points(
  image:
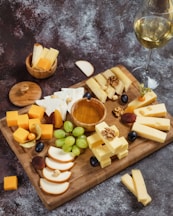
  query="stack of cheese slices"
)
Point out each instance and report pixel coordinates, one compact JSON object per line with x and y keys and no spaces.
{"x":135,"y":183}
{"x":57,"y":172}
{"x":104,"y":148}
{"x":151,"y":119}
{"x":43,"y":58}
{"x":109,"y":84}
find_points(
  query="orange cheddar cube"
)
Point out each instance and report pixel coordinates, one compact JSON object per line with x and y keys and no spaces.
{"x":44,"y":64}
{"x":33,"y":122}
{"x":11,"y":118}
{"x":46,"y":131}
{"x":36,"y":111}
{"x":23,"y":121}
{"x":21,"y":135}
{"x":10,"y":183}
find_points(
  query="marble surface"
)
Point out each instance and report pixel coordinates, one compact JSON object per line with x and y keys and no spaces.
{"x":101,"y":32}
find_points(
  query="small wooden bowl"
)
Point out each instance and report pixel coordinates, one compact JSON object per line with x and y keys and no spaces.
{"x":39,"y":74}
{"x":88,"y":112}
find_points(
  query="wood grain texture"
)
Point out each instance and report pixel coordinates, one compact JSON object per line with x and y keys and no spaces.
{"x":84,"y":176}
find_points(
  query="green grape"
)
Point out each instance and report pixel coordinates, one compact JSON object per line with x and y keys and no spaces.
{"x":59,"y":133}
{"x":81,"y":143}
{"x":60,"y":142}
{"x":67,"y":148}
{"x":70,"y":140}
{"x":83,"y":136}
{"x":68,"y":126}
{"x":76,"y":150}
{"x":78,"y":131}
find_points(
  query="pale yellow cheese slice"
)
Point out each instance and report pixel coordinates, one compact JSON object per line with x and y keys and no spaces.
{"x":119,"y":73}
{"x":140,"y":186}
{"x":154,"y":122}
{"x":127,"y":180}
{"x":122,"y":154}
{"x":155,"y":110}
{"x":102,"y":152}
{"x":149,"y":98}
{"x":105,"y":162}
{"x":96,"y":89}
{"x":94,"y":140}
{"x":149,"y":133}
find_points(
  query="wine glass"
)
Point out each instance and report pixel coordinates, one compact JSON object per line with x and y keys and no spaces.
{"x":153,"y":26}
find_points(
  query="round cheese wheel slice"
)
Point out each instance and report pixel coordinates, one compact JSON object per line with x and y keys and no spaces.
{"x":52,"y":187}
{"x":54,"y":176}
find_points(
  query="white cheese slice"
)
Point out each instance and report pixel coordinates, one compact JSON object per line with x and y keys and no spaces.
{"x":85,"y":66}
{"x":105,"y":162}
{"x":155,"y":110}
{"x":154,"y":122}
{"x":149,"y":133}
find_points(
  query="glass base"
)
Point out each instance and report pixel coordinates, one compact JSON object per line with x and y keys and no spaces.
{"x":142,"y":75}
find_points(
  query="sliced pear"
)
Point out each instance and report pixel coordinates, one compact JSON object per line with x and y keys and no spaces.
{"x":60,"y":155}
{"x":52,"y":187}
{"x":85,"y":66}
{"x":53,"y":164}
{"x":50,"y":175}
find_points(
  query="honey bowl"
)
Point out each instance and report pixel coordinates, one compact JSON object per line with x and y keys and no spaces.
{"x":37,"y":73}
{"x":88,"y":112}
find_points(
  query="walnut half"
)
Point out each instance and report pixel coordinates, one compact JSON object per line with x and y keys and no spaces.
{"x":117,"y":111}
{"x":108,"y":133}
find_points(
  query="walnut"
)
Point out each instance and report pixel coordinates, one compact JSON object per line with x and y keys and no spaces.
{"x":113,"y":81}
{"x":56,"y":173}
{"x":108,"y":133}
{"x":118,"y":111}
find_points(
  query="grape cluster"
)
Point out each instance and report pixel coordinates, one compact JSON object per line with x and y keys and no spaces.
{"x":70,"y":138}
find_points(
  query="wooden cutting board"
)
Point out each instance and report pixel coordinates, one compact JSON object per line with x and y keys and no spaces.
{"x":84,"y":176}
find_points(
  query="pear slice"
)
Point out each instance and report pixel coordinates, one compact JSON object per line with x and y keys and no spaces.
{"x":85,"y":66}
{"x":53,"y":188}
{"x":51,"y":175}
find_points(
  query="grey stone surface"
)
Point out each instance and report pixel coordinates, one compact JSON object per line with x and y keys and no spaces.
{"x":100,"y":31}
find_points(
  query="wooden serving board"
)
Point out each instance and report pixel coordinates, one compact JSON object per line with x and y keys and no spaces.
{"x":84,"y":176}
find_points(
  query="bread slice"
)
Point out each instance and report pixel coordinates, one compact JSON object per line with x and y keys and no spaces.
{"x":85,"y":66}
{"x":54,"y":176}
{"x":60,"y":155}
{"x":52,"y":187}
{"x":56,"y":165}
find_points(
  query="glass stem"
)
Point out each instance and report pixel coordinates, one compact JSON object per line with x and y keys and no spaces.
{"x":148,"y":60}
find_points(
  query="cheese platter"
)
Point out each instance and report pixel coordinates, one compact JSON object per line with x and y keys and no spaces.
{"x":82,"y":173}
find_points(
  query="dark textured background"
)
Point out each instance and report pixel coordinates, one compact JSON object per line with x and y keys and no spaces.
{"x":100,"y":31}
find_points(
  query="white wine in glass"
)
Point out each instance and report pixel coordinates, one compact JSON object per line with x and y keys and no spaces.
{"x":153,"y":26}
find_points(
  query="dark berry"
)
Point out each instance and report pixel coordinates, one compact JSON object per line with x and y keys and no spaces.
{"x":39,"y":147}
{"x":93,"y":161}
{"x":132,"y":135}
{"x":124,"y":98}
{"x":87,"y":95}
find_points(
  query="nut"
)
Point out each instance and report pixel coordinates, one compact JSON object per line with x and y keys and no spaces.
{"x":108,"y":133}
{"x":113,"y":81}
{"x":118,"y":111}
